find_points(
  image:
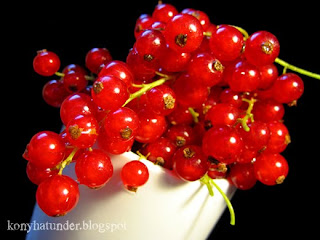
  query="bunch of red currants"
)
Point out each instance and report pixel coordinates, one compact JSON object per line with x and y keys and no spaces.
{"x":202,"y":100}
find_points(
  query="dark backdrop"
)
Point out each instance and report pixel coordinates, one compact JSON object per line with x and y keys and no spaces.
{"x":71,"y":30}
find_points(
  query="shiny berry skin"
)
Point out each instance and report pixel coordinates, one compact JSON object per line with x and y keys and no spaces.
{"x":152,"y":126}
{"x":190,"y":163}
{"x":74,"y":105}
{"x":201,"y":16}
{"x":109,"y":92}
{"x":143,"y":22}
{"x":118,"y":69}
{"x":45,"y":149}
{"x":226,"y":43}
{"x":74,"y":81}
{"x":181,"y":135}
{"x":173,"y":61}
{"x":206,"y":69}
{"x":279,"y":137}
{"x":222,"y":143}
{"x":183,"y":33}
{"x":188,"y":94}
{"x":57,"y":195}
{"x":268,"y":74}
{"x":94,"y":168}
{"x":271,"y":168}
{"x":231,"y":97}
{"x":258,"y":136}
{"x":96,"y":58}
{"x":262,"y":48}
{"x":134,"y":174}
{"x":46,"y":63}
{"x":37,"y":175}
{"x":268,"y":110}
{"x":180,"y":115}
{"x":160,"y":152}
{"x":242,"y":176}
{"x":161,"y":100}
{"x":122,"y":123}
{"x":164,"y":12}
{"x":288,"y":88}
{"x":150,"y":45}
{"x":222,"y":113}
{"x":82,"y":131}
{"x":53,"y":93}
{"x":75,"y":68}
{"x":244,"y":77}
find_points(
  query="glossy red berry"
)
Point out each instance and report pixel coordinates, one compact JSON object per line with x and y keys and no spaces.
{"x":287,"y":88}
{"x":109,"y":92}
{"x":279,"y":137}
{"x":37,"y":175}
{"x":82,"y":131}
{"x":223,"y":143}
{"x":94,"y":168}
{"x":181,"y":135}
{"x":262,"y":48}
{"x":74,"y":105}
{"x":226,"y":43}
{"x":258,"y":136}
{"x":53,"y":93}
{"x":268,"y":74}
{"x":164,"y":12}
{"x":134,"y":174}
{"x":183,"y":33}
{"x":96,"y":58}
{"x":45,"y":149}
{"x":190,"y":163}
{"x":173,"y":61}
{"x":122,"y":123}
{"x":74,"y":81}
{"x":271,"y":168}
{"x":268,"y":110}
{"x":222,"y":114}
{"x":57,"y":195}
{"x":46,"y":63}
{"x":242,"y":176}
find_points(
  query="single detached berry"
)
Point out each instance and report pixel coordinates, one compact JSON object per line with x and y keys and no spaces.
{"x":94,"y":168}
{"x":134,"y":174}
{"x":46,"y":63}
{"x":57,"y":195}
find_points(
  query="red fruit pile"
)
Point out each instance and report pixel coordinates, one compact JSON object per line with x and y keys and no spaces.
{"x":202,"y":100}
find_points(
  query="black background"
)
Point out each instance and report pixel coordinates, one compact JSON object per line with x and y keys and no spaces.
{"x":72,"y":29}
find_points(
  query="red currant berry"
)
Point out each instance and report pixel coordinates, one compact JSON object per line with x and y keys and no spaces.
{"x":183,"y":33}
{"x":37,"y":175}
{"x":279,"y":137}
{"x":143,"y":22}
{"x":152,"y":126}
{"x":53,"y":93}
{"x":75,"y":68}
{"x":57,"y":195}
{"x":222,"y":113}
{"x":122,"y":123}
{"x":258,"y":136}
{"x":217,"y":169}
{"x":164,"y":12}
{"x":262,"y":48}
{"x":180,"y":115}
{"x":268,"y":74}
{"x":226,"y":43}
{"x":109,"y":92}
{"x":173,"y":61}
{"x":190,"y":163}
{"x":206,"y":69}
{"x":46,"y":63}
{"x":268,"y":110}
{"x":96,"y":58}
{"x":134,"y":174}
{"x":245,"y":77}
{"x":45,"y":149}
{"x":161,"y":100}
{"x":74,"y":81}
{"x":222,"y":143}
{"x":82,"y":131}
{"x":242,"y":176}
{"x":94,"y":168}
{"x":288,"y":88}
{"x":74,"y":105}
{"x":271,"y":168}
{"x":181,"y":135}
{"x":118,"y":69}
{"x":231,"y":97}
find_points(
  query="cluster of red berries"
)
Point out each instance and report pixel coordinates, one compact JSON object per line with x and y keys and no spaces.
{"x":202,"y":100}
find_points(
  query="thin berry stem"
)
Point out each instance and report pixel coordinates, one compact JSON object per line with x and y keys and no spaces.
{"x":194,"y":114}
{"x":146,"y":87}
{"x":59,"y":74}
{"x":67,"y":161}
{"x":297,"y":69}
{"x":248,"y":115}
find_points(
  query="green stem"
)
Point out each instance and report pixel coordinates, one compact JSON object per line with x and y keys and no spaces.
{"x":207,"y":181}
{"x":67,"y":161}
{"x":194,"y":114}
{"x":297,"y":69}
{"x":248,"y":115}
{"x":145,"y":88}
{"x":229,"y":205}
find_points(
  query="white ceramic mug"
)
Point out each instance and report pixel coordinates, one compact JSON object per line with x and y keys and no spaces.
{"x":164,"y":208}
